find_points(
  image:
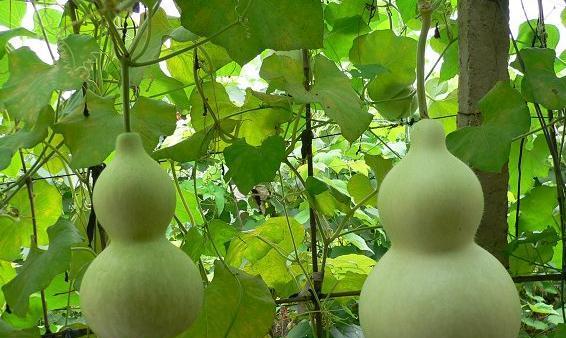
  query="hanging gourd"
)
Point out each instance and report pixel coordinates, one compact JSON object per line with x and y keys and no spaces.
{"x":435,"y":281}
{"x":141,"y":285}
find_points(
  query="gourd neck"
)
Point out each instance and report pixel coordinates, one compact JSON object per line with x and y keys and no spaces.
{"x":129,"y":143}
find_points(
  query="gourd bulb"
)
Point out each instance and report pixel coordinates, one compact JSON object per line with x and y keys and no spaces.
{"x":434,"y":281}
{"x":141,"y":285}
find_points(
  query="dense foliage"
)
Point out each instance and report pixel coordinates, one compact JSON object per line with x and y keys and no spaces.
{"x":267,"y":114}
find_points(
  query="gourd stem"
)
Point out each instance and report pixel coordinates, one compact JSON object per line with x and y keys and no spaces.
{"x":306,"y":150}
{"x":29,"y":185}
{"x":425,"y":9}
{"x":125,"y":63}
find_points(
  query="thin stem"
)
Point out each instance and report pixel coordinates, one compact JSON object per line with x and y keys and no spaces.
{"x":43,"y":32}
{"x":29,"y":184}
{"x":124,"y":60}
{"x":425,"y":9}
{"x":183,"y":50}
{"x":181,"y":196}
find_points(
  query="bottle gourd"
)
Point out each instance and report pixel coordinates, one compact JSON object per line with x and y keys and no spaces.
{"x":435,"y":281}
{"x":141,"y":285}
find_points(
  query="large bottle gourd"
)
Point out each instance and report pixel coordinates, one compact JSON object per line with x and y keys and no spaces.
{"x":141,"y":285}
{"x":435,"y":282}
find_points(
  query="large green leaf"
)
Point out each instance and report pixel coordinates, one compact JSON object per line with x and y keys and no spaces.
{"x":360,"y":186}
{"x":266,"y":113}
{"x":505,"y":116}
{"x":528,"y":35}
{"x":42,"y":266}
{"x":32,"y":82}
{"x":12,"y":13}
{"x":332,"y":89}
{"x":337,"y":43}
{"x":235,"y":305}
{"x":249,"y":165}
{"x":540,"y":84}
{"x":27,"y":137}
{"x":47,"y":206}
{"x":91,"y":138}
{"x":7,"y":35}
{"x":210,"y":241}
{"x":152,"y":119}
{"x":265,"y":251}
{"x":150,"y":46}
{"x":346,"y":273}
{"x":157,"y":85}
{"x":190,"y":149}
{"x":537,"y":209}
{"x":11,"y":236}
{"x":6,"y":331}
{"x":217,"y":100}
{"x":533,"y":164}
{"x":258,"y":25}
{"x":389,"y":60}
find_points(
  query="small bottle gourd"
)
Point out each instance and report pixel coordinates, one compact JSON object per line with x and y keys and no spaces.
{"x":434,"y":281}
{"x":141,"y":285}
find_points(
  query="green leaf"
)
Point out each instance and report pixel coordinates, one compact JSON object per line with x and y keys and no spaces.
{"x":27,"y":137}
{"x":217,"y":99}
{"x":450,"y":64}
{"x":337,"y":43}
{"x":537,"y":209}
{"x":228,"y":314}
{"x":333,"y":90}
{"x":35,"y":81}
{"x":7,"y":272}
{"x":540,"y":83}
{"x":50,"y":21}
{"x":152,"y":119}
{"x":390,"y":61}
{"x":265,"y":116}
{"x":249,"y":165}
{"x":264,"y":251}
{"x":190,"y":149}
{"x":407,"y":9}
{"x":48,"y":208}
{"x":192,"y":204}
{"x":149,"y":47}
{"x":346,"y":273}
{"x":505,"y":116}
{"x":334,"y":12}
{"x":533,"y":164}
{"x":257,"y":25}
{"x":157,"y":85}
{"x":91,"y":138}
{"x":448,"y":106}
{"x":379,"y":165}
{"x":6,"y":331}
{"x":360,"y":186}
{"x":7,"y":35}
{"x":12,"y":13}
{"x":11,"y":237}
{"x":42,"y":266}
{"x":528,"y":35}
{"x":198,"y":243}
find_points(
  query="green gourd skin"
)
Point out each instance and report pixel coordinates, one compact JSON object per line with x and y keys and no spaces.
{"x":435,"y":281}
{"x":141,"y":285}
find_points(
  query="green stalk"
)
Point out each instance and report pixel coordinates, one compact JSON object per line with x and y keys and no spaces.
{"x":125,"y":67}
{"x":425,"y":8}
